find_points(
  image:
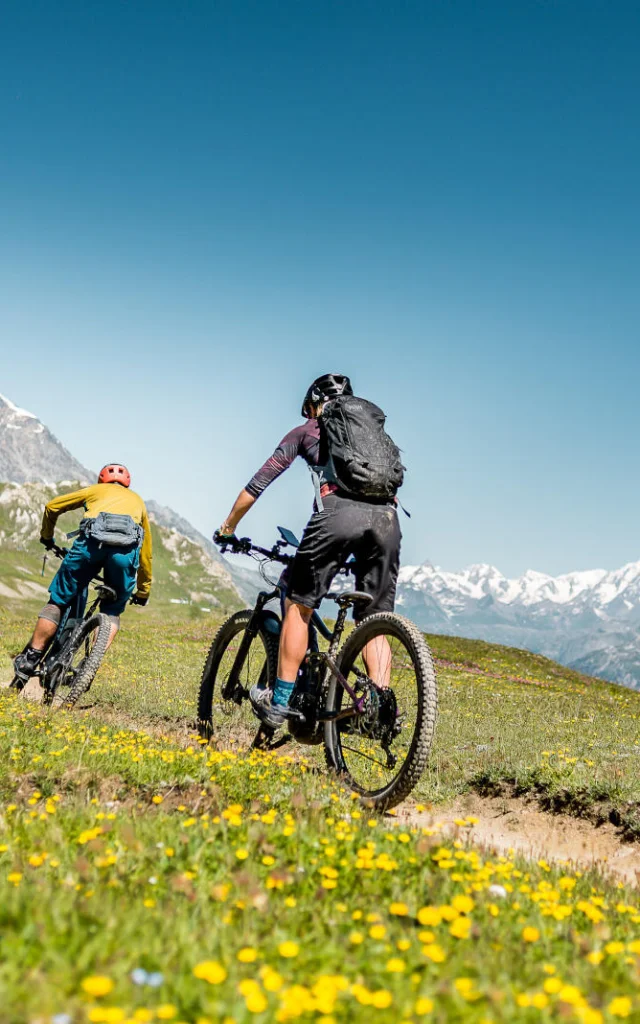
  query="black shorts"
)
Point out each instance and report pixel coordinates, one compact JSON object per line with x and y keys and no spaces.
{"x":371,"y":533}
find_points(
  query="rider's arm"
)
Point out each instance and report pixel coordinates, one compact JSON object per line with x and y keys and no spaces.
{"x":241,"y":506}
{"x":144,"y":569}
{"x":298,"y":441}
{"x":63,"y":503}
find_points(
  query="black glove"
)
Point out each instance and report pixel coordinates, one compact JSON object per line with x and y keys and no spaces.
{"x":48,"y":542}
{"x":137,"y":599}
{"x":224,"y":538}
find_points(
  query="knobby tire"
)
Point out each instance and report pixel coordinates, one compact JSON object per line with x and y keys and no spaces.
{"x":228,"y":631}
{"x":87,"y":668}
{"x":398,"y":627}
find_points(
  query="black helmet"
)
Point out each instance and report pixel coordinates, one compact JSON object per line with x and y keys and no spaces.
{"x":329,"y":385}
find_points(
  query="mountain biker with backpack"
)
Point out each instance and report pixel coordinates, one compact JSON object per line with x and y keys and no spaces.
{"x":356,"y":469}
{"x":114,"y":536}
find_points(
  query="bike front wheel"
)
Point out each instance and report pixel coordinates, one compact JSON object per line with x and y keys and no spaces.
{"x":229,"y":720}
{"x":78,"y":662}
{"x":382,"y":752}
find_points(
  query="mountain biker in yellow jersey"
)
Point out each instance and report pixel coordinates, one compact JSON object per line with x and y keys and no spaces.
{"x":114,"y":536}
{"x":351,"y":517}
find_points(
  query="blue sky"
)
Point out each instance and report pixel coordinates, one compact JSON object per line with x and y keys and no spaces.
{"x":204,"y":205}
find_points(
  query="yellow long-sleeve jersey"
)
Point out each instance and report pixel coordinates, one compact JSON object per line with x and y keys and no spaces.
{"x":106,"y":498}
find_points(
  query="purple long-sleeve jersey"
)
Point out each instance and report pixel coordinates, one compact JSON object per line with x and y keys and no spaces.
{"x":303,"y":441}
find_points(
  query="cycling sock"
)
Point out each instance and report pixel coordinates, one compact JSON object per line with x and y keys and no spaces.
{"x":282,"y":692}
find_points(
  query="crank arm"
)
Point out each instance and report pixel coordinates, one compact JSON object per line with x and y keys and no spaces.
{"x":337,"y":716}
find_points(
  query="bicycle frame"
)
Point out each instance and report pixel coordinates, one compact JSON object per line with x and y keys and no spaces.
{"x":233,"y":689}
{"x":77,"y":613}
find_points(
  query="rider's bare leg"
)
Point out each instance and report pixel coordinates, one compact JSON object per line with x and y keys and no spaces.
{"x":377,"y":659}
{"x":114,"y":622}
{"x":43,"y":633}
{"x":294,"y":640}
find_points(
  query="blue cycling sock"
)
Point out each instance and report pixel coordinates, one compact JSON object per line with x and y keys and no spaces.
{"x":282,"y":692}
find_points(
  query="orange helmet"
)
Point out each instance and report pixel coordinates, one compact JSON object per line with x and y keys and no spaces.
{"x":113,"y":473}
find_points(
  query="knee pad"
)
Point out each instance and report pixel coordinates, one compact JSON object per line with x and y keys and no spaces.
{"x":51,"y":612}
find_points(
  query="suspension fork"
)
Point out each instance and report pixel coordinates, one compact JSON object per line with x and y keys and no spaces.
{"x":230,"y":687}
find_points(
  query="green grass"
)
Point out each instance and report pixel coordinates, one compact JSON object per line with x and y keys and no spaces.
{"x":508,"y":720}
{"x":123,"y":841}
{"x":255,"y":890}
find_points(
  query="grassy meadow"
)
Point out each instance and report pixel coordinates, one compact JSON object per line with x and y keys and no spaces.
{"x":147,"y":877}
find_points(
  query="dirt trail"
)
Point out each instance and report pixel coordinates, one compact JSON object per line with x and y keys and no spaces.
{"x":511,"y":823}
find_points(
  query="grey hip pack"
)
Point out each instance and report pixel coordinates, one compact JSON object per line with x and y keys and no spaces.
{"x":112,"y":530}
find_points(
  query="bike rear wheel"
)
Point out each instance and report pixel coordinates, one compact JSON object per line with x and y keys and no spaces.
{"x":382,"y":753}
{"x":78,"y":662}
{"x":231,"y":722}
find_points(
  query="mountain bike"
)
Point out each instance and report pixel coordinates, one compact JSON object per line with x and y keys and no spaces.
{"x":377,"y":726}
{"x":72,"y":659}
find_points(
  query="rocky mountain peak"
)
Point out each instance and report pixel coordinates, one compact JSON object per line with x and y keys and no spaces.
{"x":30,"y":453}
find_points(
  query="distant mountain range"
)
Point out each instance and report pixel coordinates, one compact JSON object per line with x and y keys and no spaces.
{"x":587,"y":620}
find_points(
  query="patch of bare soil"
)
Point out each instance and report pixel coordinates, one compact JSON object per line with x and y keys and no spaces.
{"x":514,"y":824}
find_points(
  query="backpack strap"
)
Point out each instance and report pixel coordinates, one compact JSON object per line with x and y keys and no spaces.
{"x":320,"y":505}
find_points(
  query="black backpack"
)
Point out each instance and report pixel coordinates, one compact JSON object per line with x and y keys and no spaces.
{"x":361,"y":457}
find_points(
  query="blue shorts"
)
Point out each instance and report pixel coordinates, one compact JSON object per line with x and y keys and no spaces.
{"x":84,"y":562}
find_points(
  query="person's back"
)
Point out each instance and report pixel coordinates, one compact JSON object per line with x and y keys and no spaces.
{"x":364,"y":525}
{"x":101,"y":497}
{"x":114,"y":537}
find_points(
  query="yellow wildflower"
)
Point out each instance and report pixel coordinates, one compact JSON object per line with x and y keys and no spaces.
{"x":423,"y":1006}
{"x":97,"y":985}
{"x":429,"y":916}
{"x":211,"y":971}
{"x":399,"y":909}
{"x":460,"y":928}
{"x":620,"y":1006}
{"x":288,"y":949}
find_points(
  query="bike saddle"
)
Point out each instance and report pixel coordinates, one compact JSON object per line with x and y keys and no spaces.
{"x":353,"y":597}
{"x":106,"y":593}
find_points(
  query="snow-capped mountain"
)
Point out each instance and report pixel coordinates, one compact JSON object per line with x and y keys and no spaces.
{"x":588,"y":620}
{"x":30,"y":453}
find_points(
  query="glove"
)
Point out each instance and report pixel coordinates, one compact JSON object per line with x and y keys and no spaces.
{"x":48,"y":542}
{"x":220,"y":537}
{"x":138,"y":599}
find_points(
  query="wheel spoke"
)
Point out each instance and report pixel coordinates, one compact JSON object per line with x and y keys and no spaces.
{"x":360,"y":753}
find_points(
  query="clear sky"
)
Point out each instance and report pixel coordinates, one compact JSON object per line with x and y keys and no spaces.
{"x":204,"y":205}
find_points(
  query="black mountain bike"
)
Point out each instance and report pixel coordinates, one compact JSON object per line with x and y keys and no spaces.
{"x":373,"y":703}
{"x":72,"y":659}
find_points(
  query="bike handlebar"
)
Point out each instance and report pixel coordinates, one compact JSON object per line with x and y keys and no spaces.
{"x":245,"y":546}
